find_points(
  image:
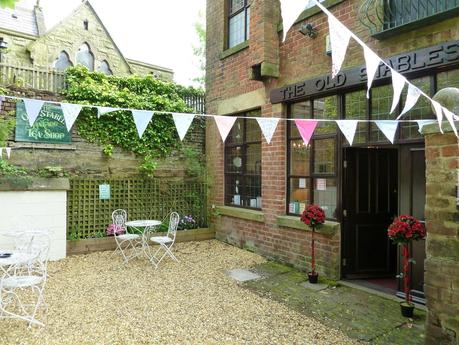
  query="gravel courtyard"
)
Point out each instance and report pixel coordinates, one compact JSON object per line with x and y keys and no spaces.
{"x":94,"y":299}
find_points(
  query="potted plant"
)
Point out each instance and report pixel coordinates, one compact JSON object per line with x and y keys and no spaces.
{"x":314,"y":217}
{"x":403,"y":231}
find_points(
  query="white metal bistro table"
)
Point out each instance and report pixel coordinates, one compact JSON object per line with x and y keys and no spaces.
{"x":16,"y":258}
{"x":140,"y":226}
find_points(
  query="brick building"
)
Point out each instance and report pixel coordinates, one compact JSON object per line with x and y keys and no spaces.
{"x":79,"y":38}
{"x":258,"y":189}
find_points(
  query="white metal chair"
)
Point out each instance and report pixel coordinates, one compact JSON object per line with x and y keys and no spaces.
{"x":166,"y":242}
{"x":29,"y":275}
{"x":125,"y":240}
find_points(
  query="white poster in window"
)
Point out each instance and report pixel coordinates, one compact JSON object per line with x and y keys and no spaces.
{"x":302,"y":183}
{"x":321,"y":184}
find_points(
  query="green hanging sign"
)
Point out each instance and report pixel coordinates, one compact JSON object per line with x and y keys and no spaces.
{"x":48,"y":128}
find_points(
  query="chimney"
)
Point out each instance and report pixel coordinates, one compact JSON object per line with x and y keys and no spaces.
{"x":39,"y":18}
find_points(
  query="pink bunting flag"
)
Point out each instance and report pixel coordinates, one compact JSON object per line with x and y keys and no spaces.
{"x":306,"y":128}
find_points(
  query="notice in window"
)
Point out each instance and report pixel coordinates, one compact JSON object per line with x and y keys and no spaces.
{"x":321,"y":184}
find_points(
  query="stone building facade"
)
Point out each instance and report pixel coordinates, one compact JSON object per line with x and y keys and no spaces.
{"x":79,"y":38}
{"x":259,"y":189}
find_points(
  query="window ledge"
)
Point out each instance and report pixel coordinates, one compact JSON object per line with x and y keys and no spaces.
{"x":234,"y":50}
{"x":312,"y":11}
{"x":256,"y":216}
{"x":328,"y":228}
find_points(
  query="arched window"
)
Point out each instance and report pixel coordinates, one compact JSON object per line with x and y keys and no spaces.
{"x":105,"y":68}
{"x":85,"y":57}
{"x":62,"y":62}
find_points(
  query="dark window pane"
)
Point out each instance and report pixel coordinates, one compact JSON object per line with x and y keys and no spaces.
{"x":252,"y":197}
{"x":299,"y":194}
{"x":448,"y":79}
{"x":381,"y":102}
{"x":300,"y":110}
{"x":236,"y":135}
{"x":233,"y":190}
{"x":325,"y":195}
{"x":420,"y":111}
{"x":234,"y":159}
{"x":299,"y":158}
{"x":324,"y":156}
{"x":356,"y":109}
{"x":326,"y":108}
{"x":253,"y":159}
{"x":253,"y":129}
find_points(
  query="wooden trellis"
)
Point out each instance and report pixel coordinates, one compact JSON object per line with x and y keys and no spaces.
{"x":88,"y":216}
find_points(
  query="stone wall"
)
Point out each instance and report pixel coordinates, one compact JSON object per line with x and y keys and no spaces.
{"x":442,"y":221}
{"x":87,"y":159}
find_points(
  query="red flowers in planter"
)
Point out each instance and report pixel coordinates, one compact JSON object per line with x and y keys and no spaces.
{"x":405,"y":229}
{"x":313,"y":215}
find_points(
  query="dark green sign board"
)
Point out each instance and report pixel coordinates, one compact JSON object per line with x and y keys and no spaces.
{"x":48,"y":128}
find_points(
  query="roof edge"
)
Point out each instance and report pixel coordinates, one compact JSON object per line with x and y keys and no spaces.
{"x":146,"y":64}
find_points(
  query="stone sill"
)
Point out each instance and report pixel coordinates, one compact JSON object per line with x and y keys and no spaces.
{"x":234,"y":50}
{"x":28,"y":183}
{"x":312,"y":11}
{"x":244,"y":213}
{"x":328,"y":228}
{"x":24,"y":145}
{"x":434,"y":128}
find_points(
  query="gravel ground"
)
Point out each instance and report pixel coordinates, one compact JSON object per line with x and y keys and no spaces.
{"x":94,"y":299}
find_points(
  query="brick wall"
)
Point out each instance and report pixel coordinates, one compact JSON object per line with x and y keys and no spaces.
{"x":230,"y":89}
{"x":84,"y":158}
{"x":442,"y":217}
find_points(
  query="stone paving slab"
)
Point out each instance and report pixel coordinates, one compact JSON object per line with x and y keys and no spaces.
{"x":358,"y":314}
{"x":242,"y":275}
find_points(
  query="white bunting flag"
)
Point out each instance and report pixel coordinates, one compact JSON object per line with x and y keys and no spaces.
{"x":398,"y":83}
{"x":224,"y":124}
{"x":438,"y":109}
{"x":339,"y":41}
{"x":268,"y":127}
{"x":348,"y":128}
{"x":8,"y":152}
{"x":422,"y":123}
{"x":71,"y":112}
{"x":142,"y":119}
{"x":411,"y":99}
{"x":104,"y":110}
{"x":290,"y":10}
{"x":33,"y":108}
{"x":389,"y":128}
{"x":450,"y":117}
{"x":182,"y":123}
{"x":372,"y":61}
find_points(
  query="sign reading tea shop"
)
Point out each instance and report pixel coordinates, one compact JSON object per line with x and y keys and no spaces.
{"x":48,"y":128}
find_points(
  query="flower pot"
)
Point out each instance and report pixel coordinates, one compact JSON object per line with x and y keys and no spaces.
{"x":313,"y":277}
{"x":407,"y":309}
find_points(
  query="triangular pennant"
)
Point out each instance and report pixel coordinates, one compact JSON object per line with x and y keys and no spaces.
{"x":450,"y":117}
{"x":224,"y":124}
{"x":389,"y":128}
{"x":142,"y":119}
{"x":306,"y":129}
{"x":398,"y":83}
{"x":71,"y":112}
{"x":33,"y":108}
{"x":422,"y":123}
{"x":8,"y":152}
{"x":438,"y":113}
{"x":411,"y":99}
{"x":268,"y":127}
{"x":104,"y":110}
{"x":291,"y":10}
{"x":339,"y":41}
{"x":348,"y":128}
{"x":182,"y":123}
{"x":372,"y":61}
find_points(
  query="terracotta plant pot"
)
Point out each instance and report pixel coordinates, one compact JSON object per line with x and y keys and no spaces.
{"x":313,"y":277}
{"x":407,"y":309}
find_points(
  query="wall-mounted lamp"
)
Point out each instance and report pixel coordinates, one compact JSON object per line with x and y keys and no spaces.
{"x":308,"y":30}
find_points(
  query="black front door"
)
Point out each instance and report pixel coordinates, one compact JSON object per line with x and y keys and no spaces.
{"x":369,"y":205}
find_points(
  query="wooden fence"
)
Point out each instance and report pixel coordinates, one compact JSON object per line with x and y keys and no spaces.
{"x":32,"y":77}
{"x":88,"y":216}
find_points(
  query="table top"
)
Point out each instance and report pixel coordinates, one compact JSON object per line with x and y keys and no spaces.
{"x":143,"y":223}
{"x":16,"y":258}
